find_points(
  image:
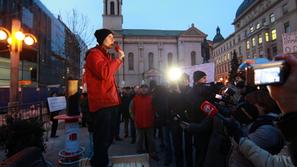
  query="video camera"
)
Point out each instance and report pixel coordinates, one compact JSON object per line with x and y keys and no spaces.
{"x":270,"y":73}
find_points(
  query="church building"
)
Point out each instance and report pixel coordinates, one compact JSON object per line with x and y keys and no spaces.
{"x":149,"y":53}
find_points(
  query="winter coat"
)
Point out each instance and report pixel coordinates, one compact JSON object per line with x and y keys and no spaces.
{"x":100,"y":71}
{"x":142,"y":109}
{"x":266,"y":136}
{"x":262,"y":158}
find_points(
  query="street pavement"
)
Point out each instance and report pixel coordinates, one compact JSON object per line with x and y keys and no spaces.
{"x":124,"y":147}
{"x":118,"y":148}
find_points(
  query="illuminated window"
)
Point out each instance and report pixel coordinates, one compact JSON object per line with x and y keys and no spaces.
{"x":273,"y":34}
{"x":266,"y":36}
{"x":260,"y":40}
{"x":253,"y":42}
{"x":247,"y":44}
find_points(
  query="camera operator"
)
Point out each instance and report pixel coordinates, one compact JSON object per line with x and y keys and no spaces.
{"x":262,"y":131}
{"x":286,"y":97}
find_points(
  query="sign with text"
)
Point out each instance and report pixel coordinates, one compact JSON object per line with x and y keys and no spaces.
{"x":56,"y":103}
{"x":290,"y":42}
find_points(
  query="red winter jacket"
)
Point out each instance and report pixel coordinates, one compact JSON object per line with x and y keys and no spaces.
{"x":144,"y":115}
{"x":101,"y":86}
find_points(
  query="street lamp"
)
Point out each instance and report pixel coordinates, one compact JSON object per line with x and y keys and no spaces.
{"x":15,"y":39}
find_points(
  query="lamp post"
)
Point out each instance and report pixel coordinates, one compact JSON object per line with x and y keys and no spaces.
{"x":15,"y":39}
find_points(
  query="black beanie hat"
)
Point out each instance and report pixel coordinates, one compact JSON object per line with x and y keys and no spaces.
{"x":198,"y":75}
{"x":101,"y":34}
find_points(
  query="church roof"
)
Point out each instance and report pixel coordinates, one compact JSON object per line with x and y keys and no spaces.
{"x":243,"y":6}
{"x":142,"y":32}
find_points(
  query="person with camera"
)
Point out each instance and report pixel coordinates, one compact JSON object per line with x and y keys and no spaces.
{"x":286,"y":97}
{"x":262,"y":131}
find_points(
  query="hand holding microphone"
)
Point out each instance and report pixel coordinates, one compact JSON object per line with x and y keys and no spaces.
{"x":233,"y":127}
{"x":119,"y":50}
{"x":209,"y":109}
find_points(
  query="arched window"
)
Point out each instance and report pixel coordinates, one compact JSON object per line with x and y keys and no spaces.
{"x":131,"y":61}
{"x":170,"y":59}
{"x":151,"y":60}
{"x":112,"y":8}
{"x":193,"y":58}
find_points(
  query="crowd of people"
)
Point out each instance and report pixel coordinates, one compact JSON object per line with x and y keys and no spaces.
{"x":253,"y":126}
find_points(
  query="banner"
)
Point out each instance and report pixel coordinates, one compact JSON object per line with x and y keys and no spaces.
{"x":290,"y":42}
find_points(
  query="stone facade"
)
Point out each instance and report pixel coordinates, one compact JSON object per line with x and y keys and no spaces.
{"x":259,"y":26}
{"x":150,"y":52}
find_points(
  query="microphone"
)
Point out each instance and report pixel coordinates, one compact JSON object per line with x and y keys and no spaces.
{"x":211,"y":110}
{"x":117,"y":47}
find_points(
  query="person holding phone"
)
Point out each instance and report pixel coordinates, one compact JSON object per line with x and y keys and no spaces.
{"x":102,"y":93}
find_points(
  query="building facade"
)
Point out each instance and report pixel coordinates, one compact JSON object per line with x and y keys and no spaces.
{"x":149,"y":53}
{"x":56,"y":55}
{"x":259,"y":26}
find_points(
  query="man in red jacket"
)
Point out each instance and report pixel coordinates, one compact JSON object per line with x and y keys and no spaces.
{"x":144,"y":117}
{"x":102,"y":93}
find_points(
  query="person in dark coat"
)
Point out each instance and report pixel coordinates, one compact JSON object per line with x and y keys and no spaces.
{"x":54,"y":121}
{"x":163,"y":118}
{"x":202,"y":125}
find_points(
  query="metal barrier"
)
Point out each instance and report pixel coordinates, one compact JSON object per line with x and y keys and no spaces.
{"x":23,"y":112}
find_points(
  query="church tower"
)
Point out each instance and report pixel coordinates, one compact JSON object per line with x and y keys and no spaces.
{"x":112,"y":14}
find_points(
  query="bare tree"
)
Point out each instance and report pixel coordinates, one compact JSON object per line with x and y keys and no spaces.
{"x":78,"y":24}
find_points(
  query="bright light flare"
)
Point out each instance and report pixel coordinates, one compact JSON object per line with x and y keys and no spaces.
{"x":3,"y":35}
{"x":9,"y":40}
{"x":19,"y":35}
{"x":29,"y":40}
{"x":174,"y":74}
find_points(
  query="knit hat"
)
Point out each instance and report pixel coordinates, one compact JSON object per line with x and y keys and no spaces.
{"x":101,"y":34}
{"x":198,"y":75}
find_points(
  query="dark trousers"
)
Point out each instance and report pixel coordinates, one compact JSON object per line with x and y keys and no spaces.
{"x":132,"y":129}
{"x":54,"y":123}
{"x":104,"y":124}
{"x":188,"y":148}
{"x":177,"y":136}
{"x":117,"y":114}
{"x":201,"y":145}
